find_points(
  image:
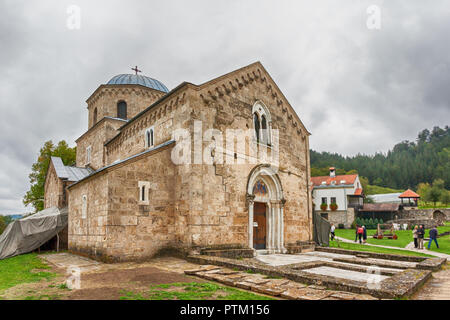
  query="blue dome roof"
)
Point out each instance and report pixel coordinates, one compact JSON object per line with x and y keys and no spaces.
{"x":138,"y":79}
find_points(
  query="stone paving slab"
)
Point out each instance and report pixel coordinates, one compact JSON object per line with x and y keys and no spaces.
{"x":67,"y":260}
{"x":284,"y":288}
{"x":379,"y":262}
{"x":344,"y":274}
{"x":318,"y":256}
{"x":305,"y":294}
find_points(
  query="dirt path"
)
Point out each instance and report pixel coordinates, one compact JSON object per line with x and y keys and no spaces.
{"x":100,"y":281}
{"x":438,"y":288}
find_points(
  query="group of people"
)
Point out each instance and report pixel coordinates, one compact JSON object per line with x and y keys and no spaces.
{"x":419,"y":235}
{"x":361,"y":234}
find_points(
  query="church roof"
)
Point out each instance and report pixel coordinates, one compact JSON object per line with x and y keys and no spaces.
{"x":139,"y":79}
{"x":69,"y":173}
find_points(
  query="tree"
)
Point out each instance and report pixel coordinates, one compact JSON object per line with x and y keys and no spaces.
{"x":445,"y":197}
{"x":39,"y":169}
{"x":4,"y":221}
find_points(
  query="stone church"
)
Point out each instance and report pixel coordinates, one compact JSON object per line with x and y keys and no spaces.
{"x":153,"y":171}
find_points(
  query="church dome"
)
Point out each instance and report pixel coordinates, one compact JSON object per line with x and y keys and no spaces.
{"x":138,"y":79}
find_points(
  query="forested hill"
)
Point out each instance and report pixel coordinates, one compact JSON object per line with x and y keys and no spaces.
{"x":405,"y":166}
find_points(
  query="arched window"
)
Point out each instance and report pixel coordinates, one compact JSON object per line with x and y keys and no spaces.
{"x":263,"y":123}
{"x":256,"y":122}
{"x":95,"y":116}
{"x":264,"y":130}
{"x":122,"y":110}
{"x":149,"y":137}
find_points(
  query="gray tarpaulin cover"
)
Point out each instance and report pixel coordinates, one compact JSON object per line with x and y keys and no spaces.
{"x":321,"y":230}
{"x":27,"y":234}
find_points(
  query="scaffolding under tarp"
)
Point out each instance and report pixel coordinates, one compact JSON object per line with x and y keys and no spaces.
{"x":28,"y":234}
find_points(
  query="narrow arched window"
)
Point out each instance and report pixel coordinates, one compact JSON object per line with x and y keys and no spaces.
{"x":95,"y":116}
{"x":143,"y":193}
{"x":257,"y":126}
{"x":263,"y":123}
{"x":122,"y":110}
{"x":149,"y":138}
{"x":264,"y":130}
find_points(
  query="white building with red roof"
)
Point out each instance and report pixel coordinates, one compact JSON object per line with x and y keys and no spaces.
{"x":340,"y":193}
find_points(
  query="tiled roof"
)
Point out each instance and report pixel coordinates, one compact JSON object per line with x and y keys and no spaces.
{"x":409,"y":194}
{"x":358,"y":192}
{"x":347,"y":179}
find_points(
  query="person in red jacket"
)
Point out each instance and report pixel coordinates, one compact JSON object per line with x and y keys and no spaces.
{"x":360,"y":234}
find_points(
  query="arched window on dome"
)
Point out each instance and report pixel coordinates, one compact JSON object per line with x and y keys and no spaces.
{"x":95,"y":116}
{"x":122,"y":110}
{"x":262,"y":123}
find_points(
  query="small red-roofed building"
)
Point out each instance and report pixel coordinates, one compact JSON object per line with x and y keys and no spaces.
{"x":409,"y":198}
{"x":341,"y":194}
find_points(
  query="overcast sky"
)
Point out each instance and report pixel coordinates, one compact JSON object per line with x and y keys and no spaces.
{"x":357,"y":89}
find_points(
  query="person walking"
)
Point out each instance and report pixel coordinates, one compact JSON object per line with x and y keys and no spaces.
{"x":360,"y":234}
{"x":420,"y":236}
{"x":433,"y":236}
{"x":356,"y":233}
{"x":416,"y":243}
{"x":332,"y":230}
{"x":364,"y":234}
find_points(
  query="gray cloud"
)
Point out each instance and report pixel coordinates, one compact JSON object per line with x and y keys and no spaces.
{"x":356,"y":90}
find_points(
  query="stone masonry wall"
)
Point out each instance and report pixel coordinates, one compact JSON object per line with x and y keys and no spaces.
{"x":106,"y":98}
{"x":88,"y":235}
{"x":54,"y":192}
{"x":96,"y":138}
{"x":118,"y":227}
{"x":218,"y":212}
{"x":165,"y":118}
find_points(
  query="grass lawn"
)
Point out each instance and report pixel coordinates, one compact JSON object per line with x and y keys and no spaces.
{"x":192,"y":291}
{"x":22,"y":269}
{"x":404,"y":238}
{"x":444,"y":242}
{"x":361,"y":247}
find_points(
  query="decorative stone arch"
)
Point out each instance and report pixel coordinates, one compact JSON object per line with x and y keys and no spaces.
{"x":261,"y":115}
{"x":439,"y":216}
{"x":274,"y":200}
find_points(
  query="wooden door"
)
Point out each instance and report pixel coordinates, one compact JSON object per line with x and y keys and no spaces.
{"x":259,"y":226}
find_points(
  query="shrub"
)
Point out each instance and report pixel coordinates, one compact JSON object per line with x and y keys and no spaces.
{"x":395,"y":237}
{"x":341,"y":226}
{"x":333,"y":206}
{"x":323,"y":206}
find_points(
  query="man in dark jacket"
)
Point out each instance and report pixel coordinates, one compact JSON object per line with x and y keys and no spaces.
{"x":433,"y":236}
{"x":420,"y":235}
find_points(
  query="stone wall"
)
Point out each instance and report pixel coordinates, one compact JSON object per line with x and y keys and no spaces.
{"x":117,"y":226}
{"x":106,"y":98}
{"x":96,"y":137}
{"x":439,"y":214}
{"x":338,"y":217}
{"x":166,"y":117}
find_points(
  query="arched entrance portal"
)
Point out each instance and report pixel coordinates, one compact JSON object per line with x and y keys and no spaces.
{"x":265,"y":210}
